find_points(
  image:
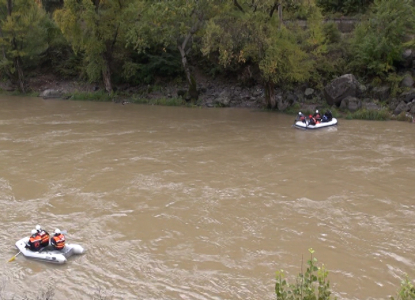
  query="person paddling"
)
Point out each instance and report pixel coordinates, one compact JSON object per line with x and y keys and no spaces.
{"x":35,"y":240}
{"x":311,"y":120}
{"x":44,"y":236}
{"x":58,"y":240}
{"x":301,"y":117}
{"x":317,"y":116}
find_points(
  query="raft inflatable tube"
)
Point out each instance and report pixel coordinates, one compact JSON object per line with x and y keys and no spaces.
{"x":302,"y":125}
{"x":49,"y":254}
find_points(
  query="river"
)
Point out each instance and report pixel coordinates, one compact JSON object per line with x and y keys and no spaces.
{"x":197,"y":203}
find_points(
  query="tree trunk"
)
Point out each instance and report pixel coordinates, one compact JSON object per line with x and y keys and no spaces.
{"x":18,"y":66}
{"x":280,"y":15}
{"x":17,"y":61}
{"x":9,"y":7}
{"x":269,"y":94}
{"x":190,"y":79}
{"x":106,"y":75}
{"x":185,"y":64}
{"x":7,"y":70}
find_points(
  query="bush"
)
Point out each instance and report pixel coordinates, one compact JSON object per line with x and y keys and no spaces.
{"x":100,"y":96}
{"x":314,"y":285}
{"x":403,"y":116}
{"x":331,"y":33}
{"x":158,"y":101}
{"x":310,"y":285}
{"x":344,"y":6}
{"x":364,"y":114}
{"x":406,"y":291}
{"x":379,"y":41}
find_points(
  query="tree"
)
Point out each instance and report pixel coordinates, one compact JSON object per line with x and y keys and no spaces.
{"x":379,"y":41}
{"x":344,"y":6}
{"x":96,"y":28}
{"x":250,"y":33}
{"x":173,"y":23}
{"x":22,"y":36}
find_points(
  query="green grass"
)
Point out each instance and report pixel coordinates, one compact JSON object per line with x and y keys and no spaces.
{"x":19,"y":93}
{"x":402,"y":117}
{"x":158,"y":101}
{"x":100,"y":96}
{"x":364,"y":114}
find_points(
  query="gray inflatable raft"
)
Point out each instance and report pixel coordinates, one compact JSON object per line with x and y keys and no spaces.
{"x":306,"y":125}
{"x":48,"y":254}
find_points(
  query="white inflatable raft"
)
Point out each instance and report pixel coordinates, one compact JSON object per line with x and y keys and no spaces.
{"x":48,"y":254}
{"x":302,"y":125}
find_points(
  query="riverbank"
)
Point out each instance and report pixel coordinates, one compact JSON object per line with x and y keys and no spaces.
{"x":213,"y":92}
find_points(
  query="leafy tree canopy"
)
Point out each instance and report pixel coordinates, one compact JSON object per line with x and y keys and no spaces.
{"x":378,"y":42}
{"x":23,"y":33}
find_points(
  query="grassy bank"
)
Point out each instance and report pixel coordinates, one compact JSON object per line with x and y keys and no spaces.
{"x":101,"y":96}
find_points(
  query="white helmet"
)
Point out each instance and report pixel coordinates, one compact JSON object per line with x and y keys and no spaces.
{"x":57,"y":231}
{"x":316,"y":111}
{"x":37,"y":227}
{"x":300,"y":113}
{"x":34,"y":231}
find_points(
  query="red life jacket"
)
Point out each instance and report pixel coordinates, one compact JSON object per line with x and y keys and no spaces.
{"x":45,"y":237}
{"x":35,"y":242}
{"x":58,"y":241}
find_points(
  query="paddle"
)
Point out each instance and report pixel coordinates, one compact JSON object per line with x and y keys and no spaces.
{"x":14,"y":257}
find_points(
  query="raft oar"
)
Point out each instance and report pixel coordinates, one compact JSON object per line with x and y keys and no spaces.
{"x":14,"y":257}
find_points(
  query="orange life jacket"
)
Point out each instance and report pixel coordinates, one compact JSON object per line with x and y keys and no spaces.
{"x":35,"y":242}
{"x":45,"y":237}
{"x":58,"y":241}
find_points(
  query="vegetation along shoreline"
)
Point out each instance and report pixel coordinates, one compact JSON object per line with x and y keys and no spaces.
{"x":356,"y":58}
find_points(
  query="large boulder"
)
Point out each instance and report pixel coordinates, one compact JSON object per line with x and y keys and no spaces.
{"x":282,"y":103}
{"x":407,"y":57}
{"x":381,"y":93}
{"x":51,"y":93}
{"x":368,"y":104}
{"x":286,"y":100}
{"x":341,"y":88}
{"x":402,"y":106}
{"x":309,"y":93}
{"x":224,"y":99}
{"x":407,"y":96}
{"x":351,"y":103}
{"x":407,"y":81}
{"x":393,"y":103}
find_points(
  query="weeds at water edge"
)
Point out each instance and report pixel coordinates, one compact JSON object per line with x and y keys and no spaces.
{"x":158,"y":101}
{"x":99,"y":96}
{"x":406,"y":291}
{"x":374,"y":115}
{"x":310,"y":285}
{"x":313,"y":284}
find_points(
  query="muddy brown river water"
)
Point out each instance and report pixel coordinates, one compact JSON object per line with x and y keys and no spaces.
{"x":190,"y":203}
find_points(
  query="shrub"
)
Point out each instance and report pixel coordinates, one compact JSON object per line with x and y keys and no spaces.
{"x":364,"y":114}
{"x":331,"y":33}
{"x":344,"y":6}
{"x":158,"y":101}
{"x":403,"y":116}
{"x":101,"y":96}
{"x":310,"y":285}
{"x":406,"y":291}
{"x":378,"y":42}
